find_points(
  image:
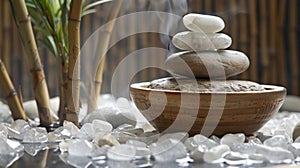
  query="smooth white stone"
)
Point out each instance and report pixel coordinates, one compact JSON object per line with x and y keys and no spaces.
{"x":276,"y":141}
{"x":189,"y":144}
{"x":87,"y":131}
{"x":283,"y":133}
{"x":203,"y":142}
{"x":180,"y":136}
{"x":220,"y":64}
{"x":275,"y":154}
{"x":81,"y":148}
{"x":168,"y":150}
{"x":101,"y":126}
{"x":235,"y":160}
{"x":216,"y":154}
{"x":256,"y":159}
{"x":5,"y":114}
{"x":232,"y":139}
{"x":111,"y":114}
{"x":31,"y":110}
{"x":197,"y":155}
{"x":121,"y":152}
{"x":136,"y":143}
{"x":244,"y":148}
{"x":142,"y":152}
{"x":203,"y":23}
{"x":198,"y":41}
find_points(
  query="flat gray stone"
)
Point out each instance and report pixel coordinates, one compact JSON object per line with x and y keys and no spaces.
{"x":208,"y":64}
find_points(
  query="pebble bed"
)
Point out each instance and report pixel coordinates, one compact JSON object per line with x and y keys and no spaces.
{"x":99,"y":143}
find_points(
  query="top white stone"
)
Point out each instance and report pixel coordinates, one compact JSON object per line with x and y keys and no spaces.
{"x":203,"y":23}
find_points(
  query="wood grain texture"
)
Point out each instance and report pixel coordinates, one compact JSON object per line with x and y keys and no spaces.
{"x":172,"y":111}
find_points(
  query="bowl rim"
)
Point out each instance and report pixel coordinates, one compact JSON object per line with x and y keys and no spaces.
{"x":268,"y":89}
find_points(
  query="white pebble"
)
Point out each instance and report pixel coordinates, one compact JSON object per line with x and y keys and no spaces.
{"x":197,"y":155}
{"x":81,"y":148}
{"x":203,"y":23}
{"x":180,"y":136}
{"x":216,"y":154}
{"x":101,"y":126}
{"x":168,"y":150}
{"x":136,"y":143}
{"x":121,"y":152}
{"x":204,"y":142}
{"x":198,"y":41}
{"x":232,"y":139}
{"x":275,"y":154}
{"x":277,"y":141}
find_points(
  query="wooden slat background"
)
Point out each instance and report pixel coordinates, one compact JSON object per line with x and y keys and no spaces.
{"x":266,"y":30}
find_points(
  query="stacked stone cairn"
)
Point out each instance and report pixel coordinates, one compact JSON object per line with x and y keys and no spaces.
{"x":205,"y":53}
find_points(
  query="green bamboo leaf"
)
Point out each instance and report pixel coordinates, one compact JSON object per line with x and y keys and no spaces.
{"x":44,"y":32}
{"x":47,"y":44}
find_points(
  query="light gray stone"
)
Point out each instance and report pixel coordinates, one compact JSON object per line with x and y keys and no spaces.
{"x":111,"y":114}
{"x":208,"y":64}
{"x":197,"y":41}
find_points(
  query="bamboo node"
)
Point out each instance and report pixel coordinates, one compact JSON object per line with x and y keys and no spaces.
{"x":97,"y":82}
{"x":24,"y":21}
{"x":75,"y":20}
{"x":36,"y":69}
{"x":12,"y":93}
{"x":73,"y":79}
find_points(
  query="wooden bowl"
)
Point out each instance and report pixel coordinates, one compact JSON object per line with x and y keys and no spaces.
{"x":215,"y":113}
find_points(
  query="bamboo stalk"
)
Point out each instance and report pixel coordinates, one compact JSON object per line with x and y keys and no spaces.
{"x":39,"y":83}
{"x":243,"y":32}
{"x":293,"y":43}
{"x":208,"y":6}
{"x":280,"y":44}
{"x":265,"y":59}
{"x":253,"y":40}
{"x":7,"y":32}
{"x":233,"y":24}
{"x":107,"y":29}
{"x":1,"y":27}
{"x":72,"y":107}
{"x":273,"y":38}
{"x":11,"y":95}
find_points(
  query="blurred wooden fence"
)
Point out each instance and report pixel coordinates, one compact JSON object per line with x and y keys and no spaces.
{"x":266,"y":30}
